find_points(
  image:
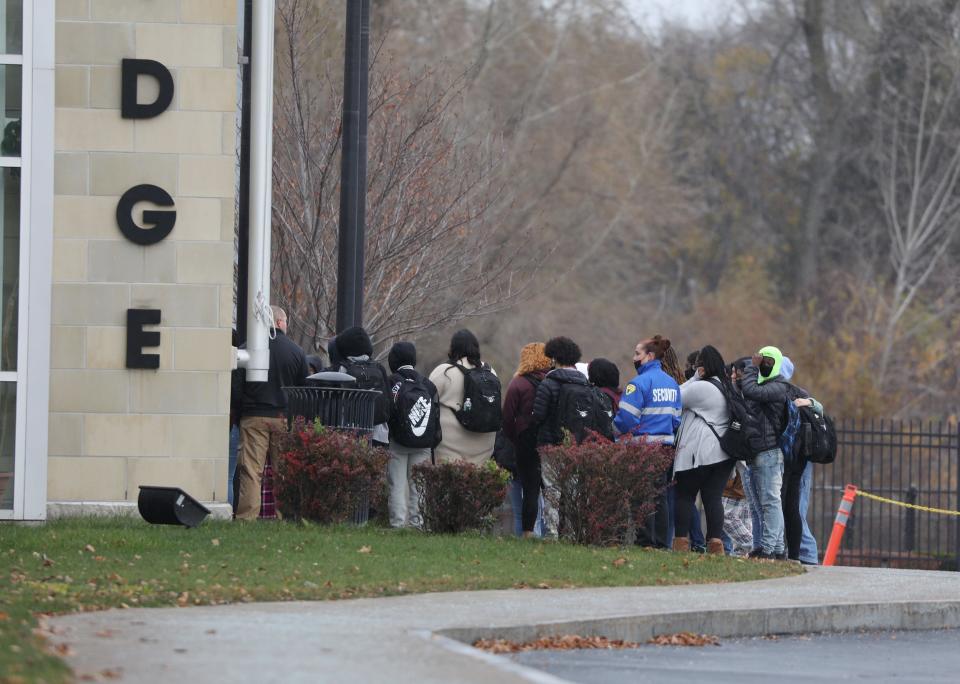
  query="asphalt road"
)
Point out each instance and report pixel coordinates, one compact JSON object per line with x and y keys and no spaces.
{"x":921,"y":657}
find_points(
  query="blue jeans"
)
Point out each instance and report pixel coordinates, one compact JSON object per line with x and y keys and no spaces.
{"x":516,"y":503}
{"x":808,"y":544}
{"x":766,"y":470}
{"x":232,"y":460}
{"x":752,"y":493}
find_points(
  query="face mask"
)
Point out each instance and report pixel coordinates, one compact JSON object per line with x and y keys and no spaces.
{"x":766,"y":367}
{"x":689,"y":373}
{"x":638,"y":365}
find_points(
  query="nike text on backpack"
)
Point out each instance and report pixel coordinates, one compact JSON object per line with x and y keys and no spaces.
{"x":742,"y":440}
{"x":415,"y":417}
{"x":480,"y":410}
{"x":583,"y":408}
{"x":370,"y":376}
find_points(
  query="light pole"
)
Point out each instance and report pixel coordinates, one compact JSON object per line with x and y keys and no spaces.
{"x":353,"y":166}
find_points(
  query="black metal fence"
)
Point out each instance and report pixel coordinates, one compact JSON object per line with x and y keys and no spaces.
{"x":908,"y":461}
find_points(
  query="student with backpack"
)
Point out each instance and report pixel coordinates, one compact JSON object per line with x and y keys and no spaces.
{"x":605,"y":376}
{"x":470,"y":404}
{"x":566,"y":402}
{"x":355,"y":352}
{"x":414,"y":431}
{"x":807,"y":415}
{"x":701,"y":466}
{"x":520,"y":431}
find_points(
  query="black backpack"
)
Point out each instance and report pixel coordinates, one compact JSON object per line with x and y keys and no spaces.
{"x":743,"y":439}
{"x":480,"y":410}
{"x":371,"y":376}
{"x":817,"y":440}
{"x":583,"y":408}
{"x":415,"y":415}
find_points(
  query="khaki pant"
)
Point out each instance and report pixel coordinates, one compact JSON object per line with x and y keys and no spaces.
{"x":256,"y":441}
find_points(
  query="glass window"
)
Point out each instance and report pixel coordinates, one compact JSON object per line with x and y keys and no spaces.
{"x":10,"y":265}
{"x":8,"y":431}
{"x":11,"y":87}
{"x":11,"y":27}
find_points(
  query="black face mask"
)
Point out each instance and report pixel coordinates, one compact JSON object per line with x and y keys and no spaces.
{"x":689,"y":373}
{"x":638,"y":365}
{"x":766,"y":367}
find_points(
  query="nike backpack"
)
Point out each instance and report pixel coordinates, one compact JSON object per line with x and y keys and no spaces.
{"x":415,"y":418}
{"x":480,"y":410}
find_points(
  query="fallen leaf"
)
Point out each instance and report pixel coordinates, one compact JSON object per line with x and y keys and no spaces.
{"x":619,"y":562}
{"x":64,"y":650}
{"x":543,"y":585}
{"x":106,"y":633}
{"x":183,"y":598}
{"x":89,"y":549}
{"x":567,"y":642}
{"x":215,"y":542}
{"x":110,"y":674}
{"x":364,"y":549}
{"x":4,"y":616}
{"x":685,"y":639}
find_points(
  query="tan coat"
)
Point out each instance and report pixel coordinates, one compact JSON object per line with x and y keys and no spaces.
{"x":458,"y":444}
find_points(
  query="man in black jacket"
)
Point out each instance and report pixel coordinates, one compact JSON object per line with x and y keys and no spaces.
{"x":767,"y":394}
{"x":263,"y":408}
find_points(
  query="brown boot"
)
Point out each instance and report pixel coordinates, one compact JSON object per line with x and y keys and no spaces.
{"x":715,"y":546}
{"x":681,"y":544}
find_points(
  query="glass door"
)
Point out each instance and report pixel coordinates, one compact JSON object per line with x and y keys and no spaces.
{"x":11,"y":116}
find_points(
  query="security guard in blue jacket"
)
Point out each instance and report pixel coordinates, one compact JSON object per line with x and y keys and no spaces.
{"x":650,"y":406}
{"x":650,"y":410}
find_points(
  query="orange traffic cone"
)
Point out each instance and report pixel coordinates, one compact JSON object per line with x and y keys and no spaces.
{"x":840,"y":524}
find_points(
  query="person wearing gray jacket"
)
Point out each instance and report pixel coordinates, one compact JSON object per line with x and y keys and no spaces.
{"x":700,"y":465}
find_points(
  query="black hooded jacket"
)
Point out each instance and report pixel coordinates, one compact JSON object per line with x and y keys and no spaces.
{"x":546,"y":403}
{"x":768,"y":403}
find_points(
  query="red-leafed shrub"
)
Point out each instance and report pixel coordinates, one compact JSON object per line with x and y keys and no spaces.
{"x":603,"y":489}
{"x":457,"y":496}
{"x":326,"y":475}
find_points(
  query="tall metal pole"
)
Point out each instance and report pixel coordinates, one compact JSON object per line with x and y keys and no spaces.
{"x":257,"y":361}
{"x":243,"y":206}
{"x":353,"y":166}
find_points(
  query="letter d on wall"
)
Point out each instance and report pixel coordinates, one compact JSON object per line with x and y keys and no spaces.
{"x":130,"y":70}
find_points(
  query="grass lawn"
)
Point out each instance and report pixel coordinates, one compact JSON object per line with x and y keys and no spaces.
{"x":77,"y":565}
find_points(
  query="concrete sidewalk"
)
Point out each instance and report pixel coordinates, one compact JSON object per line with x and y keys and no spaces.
{"x":421,"y":638}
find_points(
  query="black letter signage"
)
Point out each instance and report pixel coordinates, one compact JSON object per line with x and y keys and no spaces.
{"x":138,"y":338}
{"x":130,"y":69}
{"x":162,"y":221}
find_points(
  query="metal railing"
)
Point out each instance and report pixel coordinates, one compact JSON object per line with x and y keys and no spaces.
{"x":909,"y":461}
{"x":336,"y":407}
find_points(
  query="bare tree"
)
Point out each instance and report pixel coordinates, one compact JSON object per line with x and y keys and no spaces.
{"x":918,"y":168}
{"x":435,"y":251}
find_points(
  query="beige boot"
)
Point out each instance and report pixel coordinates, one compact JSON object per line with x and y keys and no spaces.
{"x":681,"y":544}
{"x":715,"y":546}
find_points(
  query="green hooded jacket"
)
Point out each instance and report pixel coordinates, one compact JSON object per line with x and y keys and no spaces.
{"x":777,"y":357}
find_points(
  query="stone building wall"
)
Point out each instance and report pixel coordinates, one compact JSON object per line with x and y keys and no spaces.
{"x":112,"y":428}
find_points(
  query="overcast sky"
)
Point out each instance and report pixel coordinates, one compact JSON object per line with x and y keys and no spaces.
{"x":692,"y":13}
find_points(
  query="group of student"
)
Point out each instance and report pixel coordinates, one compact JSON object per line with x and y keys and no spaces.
{"x":753,"y":503}
{"x":740,"y":433}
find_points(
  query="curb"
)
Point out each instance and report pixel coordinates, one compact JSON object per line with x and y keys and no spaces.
{"x":903,"y":615}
